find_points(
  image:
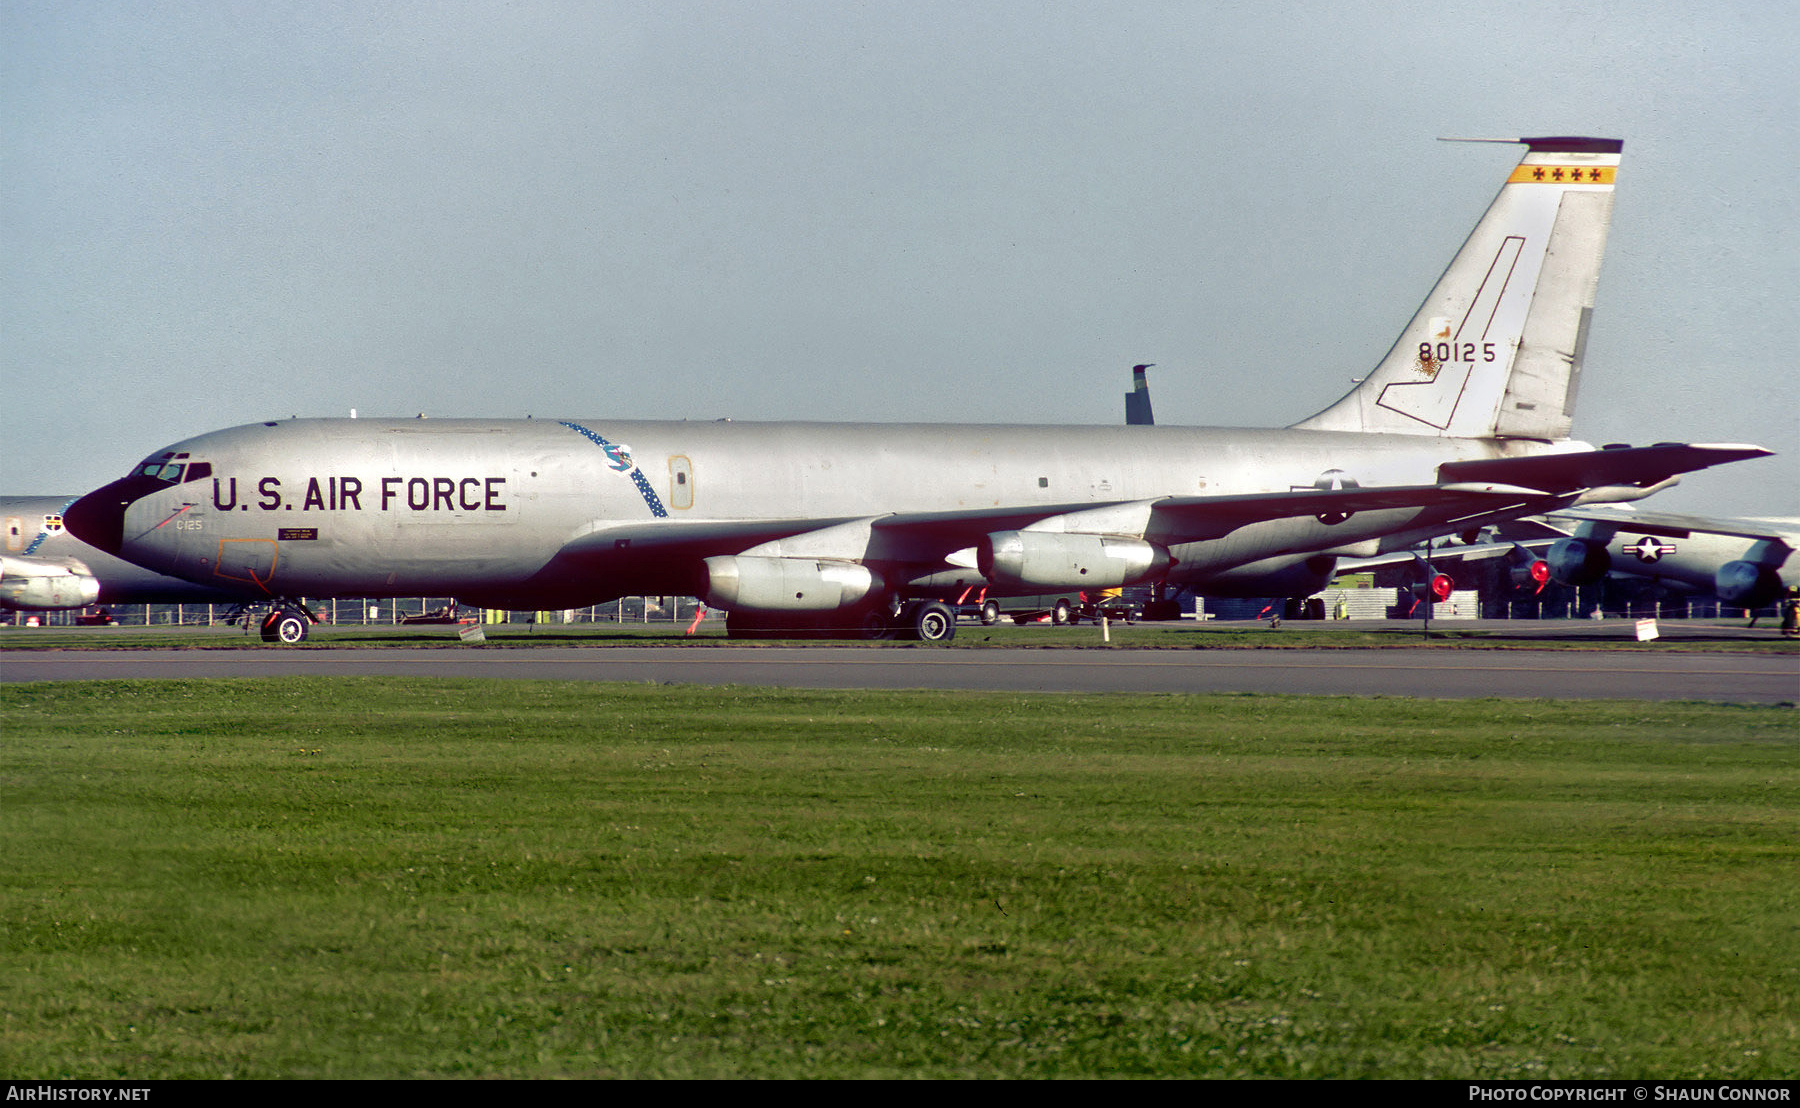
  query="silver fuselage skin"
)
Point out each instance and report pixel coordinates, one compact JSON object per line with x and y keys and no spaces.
{"x":482,"y":509}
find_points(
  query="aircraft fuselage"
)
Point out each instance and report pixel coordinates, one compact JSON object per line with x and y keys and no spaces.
{"x":483,"y":509}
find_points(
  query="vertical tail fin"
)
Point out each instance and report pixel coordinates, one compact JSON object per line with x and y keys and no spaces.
{"x":1137,"y":401}
{"x":1495,"y":351}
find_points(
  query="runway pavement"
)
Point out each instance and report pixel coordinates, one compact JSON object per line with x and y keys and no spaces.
{"x":1436,"y":673}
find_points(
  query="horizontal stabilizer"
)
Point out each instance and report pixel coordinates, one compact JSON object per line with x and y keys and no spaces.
{"x":1641,"y":466}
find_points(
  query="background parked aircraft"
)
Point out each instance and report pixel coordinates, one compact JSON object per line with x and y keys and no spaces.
{"x":1137,"y":401}
{"x":1741,"y":563}
{"x":45,"y":568}
{"x":1746,"y":563}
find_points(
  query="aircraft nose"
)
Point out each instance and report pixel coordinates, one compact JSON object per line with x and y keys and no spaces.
{"x":98,"y":518}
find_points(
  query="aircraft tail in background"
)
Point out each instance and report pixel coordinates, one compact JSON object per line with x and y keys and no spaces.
{"x":1137,"y":401}
{"x":1496,"y":349}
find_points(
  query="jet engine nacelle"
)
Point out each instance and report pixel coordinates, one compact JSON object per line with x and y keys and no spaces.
{"x":1428,"y":584}
{"x":37,"y":587}
{"x":1578,"y":561}
{"x":1527,"y":570}
{"x":1049,"y":560}
{"x":1747,"y":584}
{"x":756,"y":584}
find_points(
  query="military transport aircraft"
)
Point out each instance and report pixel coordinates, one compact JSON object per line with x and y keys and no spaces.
{"x":1746,"y":563}
{"x":43,"y":568}
{"x":865,"y":529}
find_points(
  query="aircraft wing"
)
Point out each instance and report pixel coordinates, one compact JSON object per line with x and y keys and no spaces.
{"x":682,"y":556}
{"x":938,"y":531}
{"x":934,"y":534}
{"x":1198,"y":518}
{"x":1480,"y":552}
{"x":1173,"y":520}
{"x":689,"y":538}
{"x":1465,"y":490}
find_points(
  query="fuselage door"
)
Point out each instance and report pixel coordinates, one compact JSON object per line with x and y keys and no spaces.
{"x":681,"y":482}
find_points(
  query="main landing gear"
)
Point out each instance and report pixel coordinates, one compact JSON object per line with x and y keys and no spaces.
{"x":928,"y":621}
{"x":918,"y":621}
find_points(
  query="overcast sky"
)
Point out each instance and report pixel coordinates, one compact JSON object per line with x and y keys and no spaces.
{"x":216,"y":213}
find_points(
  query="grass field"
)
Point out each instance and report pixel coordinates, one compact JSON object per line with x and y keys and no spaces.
{"x":391,"y":878}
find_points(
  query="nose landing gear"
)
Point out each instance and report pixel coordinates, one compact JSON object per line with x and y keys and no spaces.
{"x":287,"y":623}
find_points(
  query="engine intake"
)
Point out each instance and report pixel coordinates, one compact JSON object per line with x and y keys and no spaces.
{"x":1578,"y":561}
{"x":1747,"y":584}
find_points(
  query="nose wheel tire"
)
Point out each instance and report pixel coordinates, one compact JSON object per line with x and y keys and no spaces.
{"x":285,"y":627}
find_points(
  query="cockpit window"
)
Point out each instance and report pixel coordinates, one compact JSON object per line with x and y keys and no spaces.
{"x":173,"y":469}
{"x":166,"y":472}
